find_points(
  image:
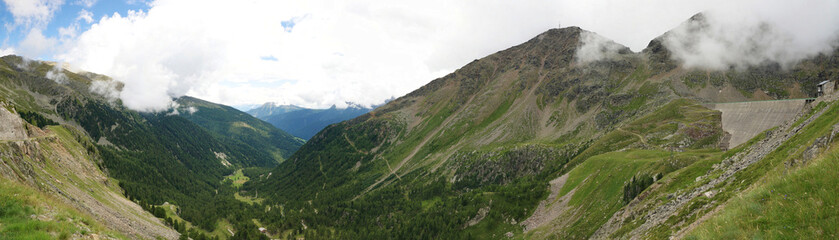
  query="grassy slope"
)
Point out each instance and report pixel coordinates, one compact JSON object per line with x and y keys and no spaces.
{"x":799,"y":205}
{"x":598,"y":182}
{"x":688,"y":178}
{"x":53,"y":219}
{"x":600,"y":172}
{"x":52,"y":154}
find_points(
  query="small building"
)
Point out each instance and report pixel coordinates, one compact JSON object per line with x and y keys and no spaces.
{"x":825,"y":87}
{"x":263,"y":230}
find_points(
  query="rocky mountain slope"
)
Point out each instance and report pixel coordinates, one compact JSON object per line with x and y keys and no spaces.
{"x":53,"y":174}
{"x":476,"y":153}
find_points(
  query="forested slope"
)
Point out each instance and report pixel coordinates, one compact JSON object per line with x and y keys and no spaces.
{"x":155,"y":157}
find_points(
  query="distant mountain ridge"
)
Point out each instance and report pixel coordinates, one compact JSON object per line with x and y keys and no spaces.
{"x":265,"y":144}
{"x":305,"y":122}
{"x":271,"y":108}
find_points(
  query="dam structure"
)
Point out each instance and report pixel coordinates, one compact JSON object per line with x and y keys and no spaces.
{"x":745,"y":120}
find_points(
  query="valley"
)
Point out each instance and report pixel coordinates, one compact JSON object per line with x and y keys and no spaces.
{"x":531,"y":142}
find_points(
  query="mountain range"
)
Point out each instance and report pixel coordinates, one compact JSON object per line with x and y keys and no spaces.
{"x":537,"y":141}
{"x":306,"y":122}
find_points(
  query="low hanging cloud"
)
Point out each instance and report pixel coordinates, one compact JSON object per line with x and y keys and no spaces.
{"x":594,"y":47}
{"x":57,"y":74}
{"x":106,"y":88}
{"x":769,"y":33}
{"x":6,"y":51}
{"x":740,"y":34}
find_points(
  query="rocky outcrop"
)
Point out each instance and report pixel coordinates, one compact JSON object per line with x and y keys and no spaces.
{"x":501,"y":166}
{"x":11,"y":126}
{"x":61,"y":167}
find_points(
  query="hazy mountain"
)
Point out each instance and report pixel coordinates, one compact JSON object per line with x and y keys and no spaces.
{"x":305,"y":122}
{"x":268,"y":109}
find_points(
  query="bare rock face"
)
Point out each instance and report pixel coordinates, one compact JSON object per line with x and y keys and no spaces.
{"x":11,"y":126}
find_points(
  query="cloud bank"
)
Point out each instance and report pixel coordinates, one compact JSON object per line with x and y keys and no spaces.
{"x":321,"y":53}
{"x":741,"y":34}
{"x":720,"y":39}
{"x":311,"y":53}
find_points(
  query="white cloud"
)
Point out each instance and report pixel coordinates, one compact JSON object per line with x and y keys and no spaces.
{"x":68,"y":34}
{"x":106,"y":88}
{"x":86,"y":3}
{"x":137,"y":2}
{"x":595,"y":48}
{"x":33,"y":12}
{"x":362,"y":52}
{"x":57,"y":74}
{"x":36,"y":44}
{"x":6,"y":51}
{"x":85,"y":15}
{"x":192,"y":109}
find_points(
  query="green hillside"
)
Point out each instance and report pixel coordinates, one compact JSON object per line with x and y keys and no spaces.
{"x":154,"y":157}
{"x":257,"y":142}
{"x":18,"y":203}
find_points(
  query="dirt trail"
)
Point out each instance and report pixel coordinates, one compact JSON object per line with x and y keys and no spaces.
{"x":352,"y":144}
{"x":418,"y":147}
{"x":550,"y":208}
{"x":644,"y":141}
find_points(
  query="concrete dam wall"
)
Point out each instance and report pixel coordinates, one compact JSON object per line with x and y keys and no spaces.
{"x":745,"y":120}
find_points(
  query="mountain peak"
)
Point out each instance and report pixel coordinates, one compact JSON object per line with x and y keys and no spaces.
{"x":271,"y":108}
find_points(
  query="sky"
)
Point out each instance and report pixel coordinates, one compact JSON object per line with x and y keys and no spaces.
{"x":320,"y":53}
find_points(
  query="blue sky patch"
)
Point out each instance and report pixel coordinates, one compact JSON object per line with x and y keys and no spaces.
{"x":268,"y":58}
